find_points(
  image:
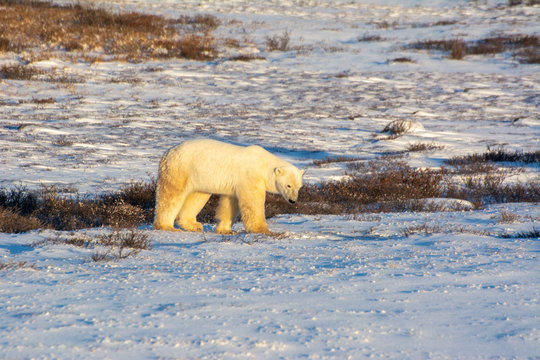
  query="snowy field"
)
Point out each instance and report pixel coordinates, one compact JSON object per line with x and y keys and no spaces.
{"x":437,"y":285}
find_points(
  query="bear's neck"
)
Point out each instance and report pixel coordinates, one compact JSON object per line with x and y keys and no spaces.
{"x":271,"y":180}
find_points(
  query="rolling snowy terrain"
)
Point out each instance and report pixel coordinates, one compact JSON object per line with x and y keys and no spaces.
{"x":422,"y":285}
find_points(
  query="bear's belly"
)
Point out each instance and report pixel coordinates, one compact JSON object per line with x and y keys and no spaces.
{"x":213,"y":185}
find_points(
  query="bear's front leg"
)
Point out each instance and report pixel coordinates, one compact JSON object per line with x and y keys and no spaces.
{"x":251,"y":202}
{"x":226,"y":212}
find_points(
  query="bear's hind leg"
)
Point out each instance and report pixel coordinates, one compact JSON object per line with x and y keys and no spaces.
{"x":166,"y":210}
{"x":187,"y":216}
{"x":169,"y":201}
{"x":226,"y":212}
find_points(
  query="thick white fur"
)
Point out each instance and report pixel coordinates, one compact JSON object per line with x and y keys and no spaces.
{"x":190,"y":172}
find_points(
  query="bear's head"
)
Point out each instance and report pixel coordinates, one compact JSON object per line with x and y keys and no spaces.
{"x":288,"y":182}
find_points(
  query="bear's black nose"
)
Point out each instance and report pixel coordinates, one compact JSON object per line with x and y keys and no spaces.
{"x":292,"y":201}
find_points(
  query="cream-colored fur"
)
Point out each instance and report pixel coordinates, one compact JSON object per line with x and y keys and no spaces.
{"x":190,"y":172}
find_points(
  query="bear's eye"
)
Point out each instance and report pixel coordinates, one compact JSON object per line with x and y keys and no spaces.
{"x":289,"y":186}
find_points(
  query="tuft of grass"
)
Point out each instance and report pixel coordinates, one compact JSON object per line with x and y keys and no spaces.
{"x":507,"y":217}
{"x":417,"y":147}
{"x":370,"y":38}
{"x":122,"y":244}
{"x":399,"y":127}
{"x":278,"y":42}
{"x":14,"y":265}
{"x":250,"y":57}
{"x":402,"y":60}
{"x":334,"y":159}
{"x":458,"y":50}
{"x":534,"y":233}
{"x":63,"y":141}
{"x":424,"y":228}
{"x":48,"y":100}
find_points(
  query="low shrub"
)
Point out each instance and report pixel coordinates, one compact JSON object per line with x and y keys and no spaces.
{"x":376,"y":186}
{"x":383,"y":185}
{"x":131,"y":206}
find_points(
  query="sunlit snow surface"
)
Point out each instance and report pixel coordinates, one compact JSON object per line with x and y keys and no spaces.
{"x":328,"y":287}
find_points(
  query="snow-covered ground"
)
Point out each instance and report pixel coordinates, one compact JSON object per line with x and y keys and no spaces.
{"x":403,"y":285}
{"x":329,"y":287}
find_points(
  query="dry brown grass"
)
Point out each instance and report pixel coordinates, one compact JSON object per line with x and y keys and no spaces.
{"x":370,"y":38}
{"x":19,"y":72}
{"x":249,"y":57}
{"x":15,"y":265}
{"x":498,"y":154}
{"x":525,"y":48}
{"x":523,"y":2}
{"x":38,"y":27}
{"x":13,"y":222}
{"x":334,"y":159}
{"x":418,"y":147}
{"x":534,"y":233}
{"x":122,"y":244}
{"x":118,"y":244}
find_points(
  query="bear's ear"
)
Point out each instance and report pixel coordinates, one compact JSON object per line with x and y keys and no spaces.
{"x":278,"y":171}
{"x":302,"y":172}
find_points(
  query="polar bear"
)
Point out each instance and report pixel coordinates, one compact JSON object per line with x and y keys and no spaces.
{"x":190,"y":172}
